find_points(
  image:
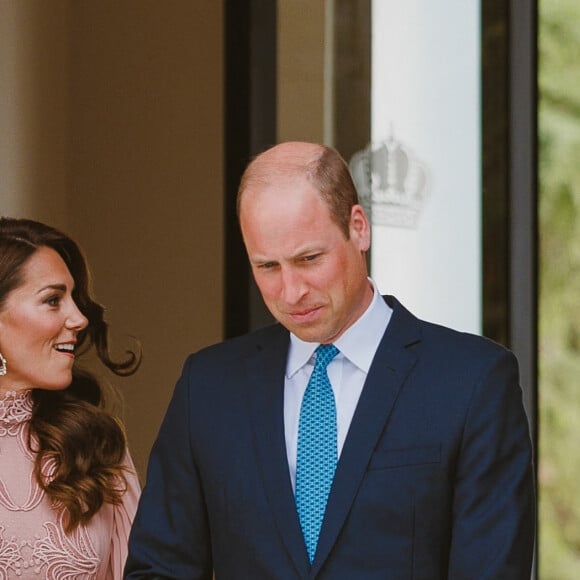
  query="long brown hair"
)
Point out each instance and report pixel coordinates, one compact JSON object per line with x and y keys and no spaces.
{"x":71,"y":430}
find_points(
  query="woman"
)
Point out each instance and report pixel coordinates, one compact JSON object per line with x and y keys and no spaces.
{"x":68,"y":489}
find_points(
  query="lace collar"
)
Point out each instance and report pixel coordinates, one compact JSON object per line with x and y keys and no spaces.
{"x":15,"y":407}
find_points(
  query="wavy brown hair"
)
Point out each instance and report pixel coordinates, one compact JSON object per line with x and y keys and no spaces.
{"x":71,"y":430}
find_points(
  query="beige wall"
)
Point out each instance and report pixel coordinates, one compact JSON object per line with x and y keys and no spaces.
{"x":113,"y":129}
{"x":33,"y":106}
{"x":304,"y":85}
{"x":323,"y":82}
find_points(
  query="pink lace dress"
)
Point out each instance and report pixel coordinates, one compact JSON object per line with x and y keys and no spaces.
{"x":33,"y":544}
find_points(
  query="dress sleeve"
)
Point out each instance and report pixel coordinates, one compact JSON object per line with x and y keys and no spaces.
{"x":123,"y":515}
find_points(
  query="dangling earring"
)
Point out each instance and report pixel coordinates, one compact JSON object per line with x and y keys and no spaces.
{"x":2,"y":365}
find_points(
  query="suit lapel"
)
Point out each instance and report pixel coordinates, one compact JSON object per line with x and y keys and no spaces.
{"x":266,"y":404}
{"x":391,"y":365}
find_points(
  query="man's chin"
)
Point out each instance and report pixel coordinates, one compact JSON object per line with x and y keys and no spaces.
{"x":308,"y":333}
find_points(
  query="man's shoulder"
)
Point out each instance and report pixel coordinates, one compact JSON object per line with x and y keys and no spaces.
{"x":240,"y":347}
{"x":443,"y":338}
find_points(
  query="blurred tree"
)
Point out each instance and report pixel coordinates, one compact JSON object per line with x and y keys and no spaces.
{"x":559,"y":316}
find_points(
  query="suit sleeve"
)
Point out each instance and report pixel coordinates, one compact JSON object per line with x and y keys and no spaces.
{"x":170,"y":535}
{"x":494,"y":500}
{"x":123,"y":515}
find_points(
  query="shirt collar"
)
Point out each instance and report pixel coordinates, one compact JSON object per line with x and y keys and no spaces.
{"x":358,"y":343}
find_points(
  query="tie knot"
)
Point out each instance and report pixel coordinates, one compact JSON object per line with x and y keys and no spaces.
{"x":324,"y":354}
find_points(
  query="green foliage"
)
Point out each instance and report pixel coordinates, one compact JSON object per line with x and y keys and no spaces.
{"x":559,"y":357}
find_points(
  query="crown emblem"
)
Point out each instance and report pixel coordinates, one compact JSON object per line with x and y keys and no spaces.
{"x":392,"y":183}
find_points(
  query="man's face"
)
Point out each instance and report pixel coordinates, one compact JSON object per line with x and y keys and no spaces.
{"x":312,"y":279}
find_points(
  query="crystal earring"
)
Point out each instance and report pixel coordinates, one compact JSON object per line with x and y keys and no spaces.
{"x":2,"y":365}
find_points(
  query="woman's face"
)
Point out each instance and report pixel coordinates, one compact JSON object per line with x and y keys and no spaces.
{"x":39,"y":323}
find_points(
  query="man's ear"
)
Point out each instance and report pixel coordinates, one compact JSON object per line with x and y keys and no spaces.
{"x":359,"y":228}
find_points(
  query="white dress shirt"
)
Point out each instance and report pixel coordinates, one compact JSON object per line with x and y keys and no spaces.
{"x":347,"y":373}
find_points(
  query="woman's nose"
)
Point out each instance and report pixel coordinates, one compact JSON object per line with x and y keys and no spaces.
{"x":76,"y":319}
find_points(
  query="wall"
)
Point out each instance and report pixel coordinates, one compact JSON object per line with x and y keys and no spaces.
{"x":303,"y":47}
{"x":33,"y":105}
{"x":116,"y":135}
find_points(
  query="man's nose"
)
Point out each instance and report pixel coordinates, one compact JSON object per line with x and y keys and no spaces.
{"x":294,"y":286}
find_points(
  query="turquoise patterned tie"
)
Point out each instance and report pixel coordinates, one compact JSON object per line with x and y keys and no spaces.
{"x":317,"y":453}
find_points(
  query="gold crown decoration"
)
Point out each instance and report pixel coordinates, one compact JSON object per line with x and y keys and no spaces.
{"x":392,"y":183}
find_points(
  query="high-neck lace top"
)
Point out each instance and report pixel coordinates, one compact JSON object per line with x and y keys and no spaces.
{"x":33,"y":544}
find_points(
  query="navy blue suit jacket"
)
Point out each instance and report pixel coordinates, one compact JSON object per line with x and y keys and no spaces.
{"x":435,"y":479}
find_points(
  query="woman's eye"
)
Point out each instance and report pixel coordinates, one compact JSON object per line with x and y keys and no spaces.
{"x":53,"y":301}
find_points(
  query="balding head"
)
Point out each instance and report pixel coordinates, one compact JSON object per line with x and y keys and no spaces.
{"x":321,"y":166}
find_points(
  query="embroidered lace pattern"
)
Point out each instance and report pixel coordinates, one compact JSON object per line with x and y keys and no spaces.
{"x":15,"y":409}
{"x":33,"y":544}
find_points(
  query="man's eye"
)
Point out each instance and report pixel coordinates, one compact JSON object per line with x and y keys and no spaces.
{"x":310,"y":258}
{"x":268,"y":265}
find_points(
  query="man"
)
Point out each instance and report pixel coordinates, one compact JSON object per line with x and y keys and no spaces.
{"x":400,"y":449}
